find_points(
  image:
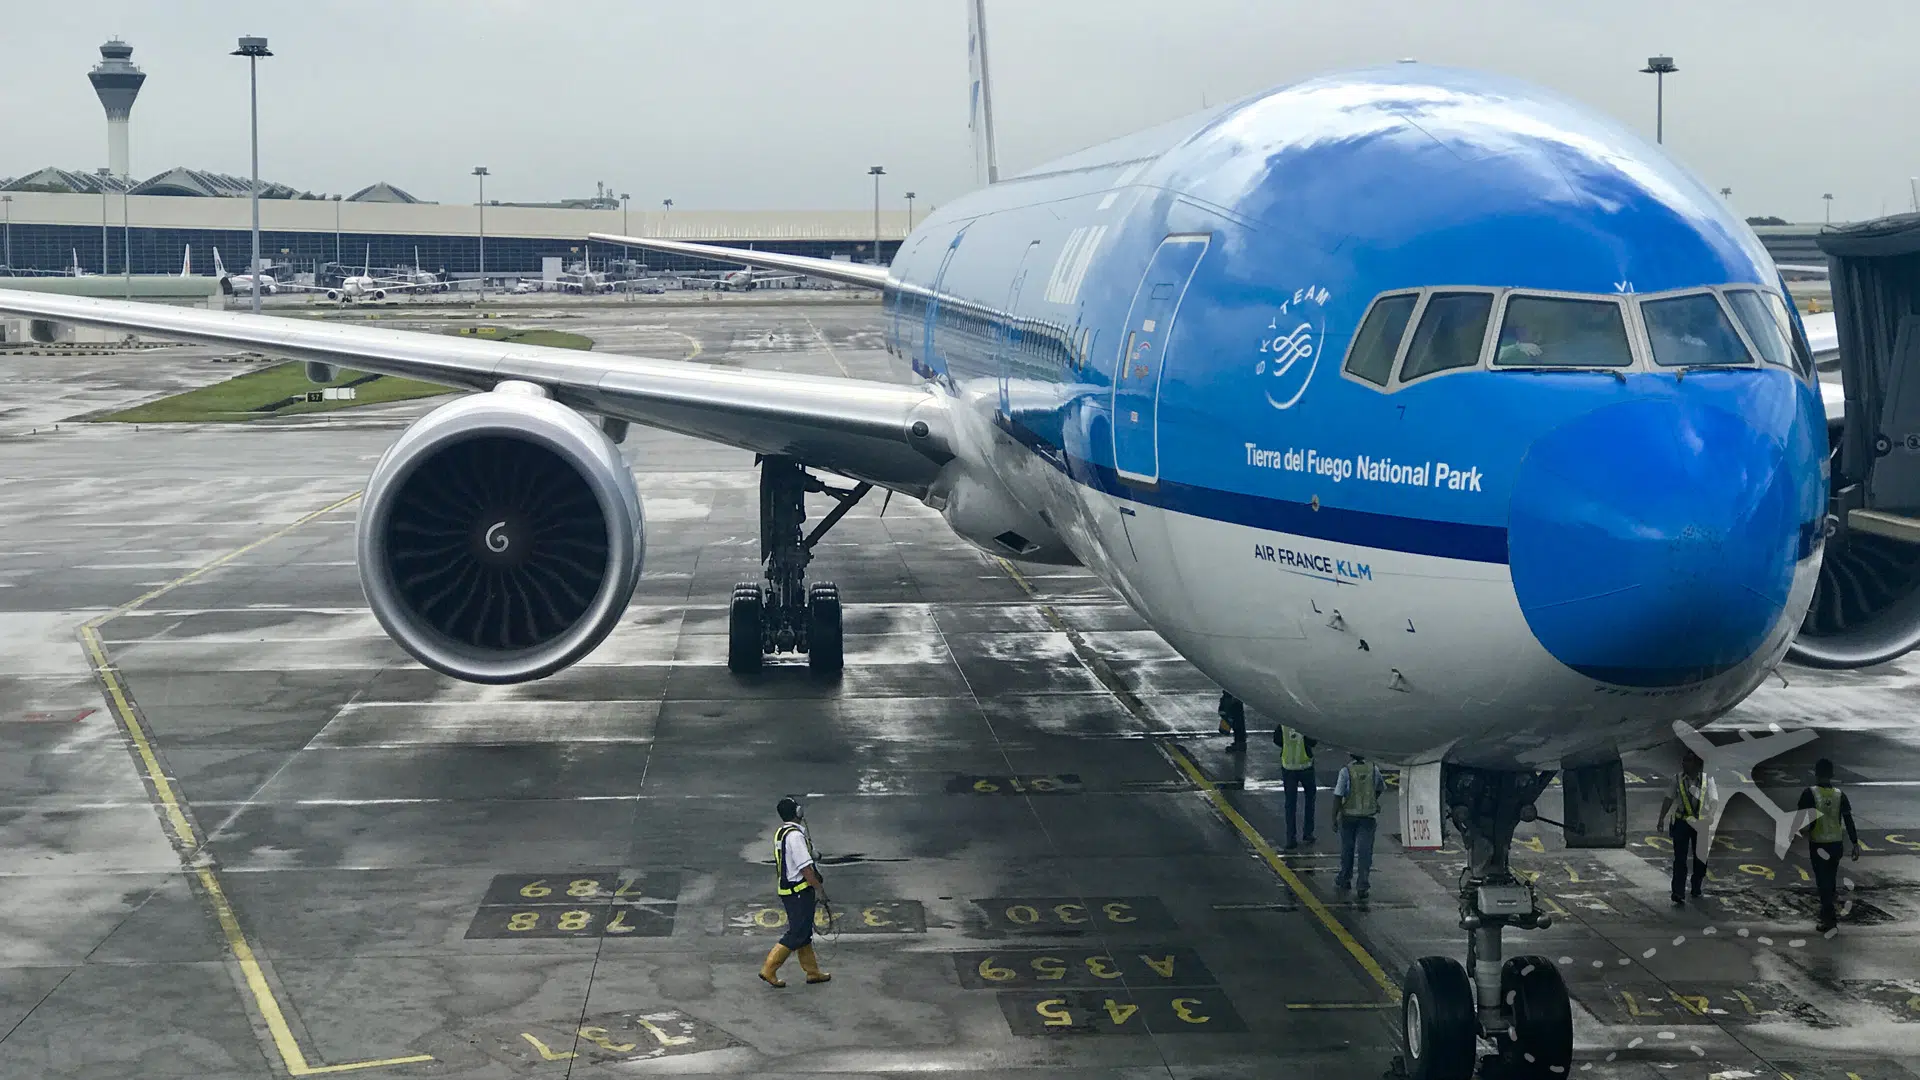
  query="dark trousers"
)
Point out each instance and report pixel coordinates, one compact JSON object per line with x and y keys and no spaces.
{"x":1356,"y":853}
{"x":1686,"y":842}
{"x":799,"y":907}
{"x":1297,"y":782}
{"x":1233,"y":718}
{"x":1826,"y":878}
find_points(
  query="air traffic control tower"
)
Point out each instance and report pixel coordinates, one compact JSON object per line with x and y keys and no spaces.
{"x":117,"y":82}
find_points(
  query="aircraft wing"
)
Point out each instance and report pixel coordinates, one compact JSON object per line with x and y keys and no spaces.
{"x":862,"y":274}
{"x":892,"y":435}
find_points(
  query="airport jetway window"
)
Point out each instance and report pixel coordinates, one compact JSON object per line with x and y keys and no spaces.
{"x":1758,"y":320}
{"x":1378,"y":341}
{"x":1553,"y":331}
{"x":1692,"y":331}
{"x":1452,"y":329}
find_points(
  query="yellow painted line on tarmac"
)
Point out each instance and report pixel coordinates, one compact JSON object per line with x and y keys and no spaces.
{"x":1340,"y":1006}
{"x":1279,"y":866}
{"x":1219,"y":800}
{"x":836,"y":356}
{"x":188,"y":842}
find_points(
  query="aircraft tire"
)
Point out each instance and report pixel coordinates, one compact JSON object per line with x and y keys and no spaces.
{"x":826,"y":654}
{"x":745,"y":620}
{"x":1437,"y":1020}
{"x":1541,"y":1044}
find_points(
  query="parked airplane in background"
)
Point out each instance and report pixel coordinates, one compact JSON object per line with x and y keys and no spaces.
{"x":739,"y":280}
{"x":416,"y":275}
{"x":244,"y":284}
{"x":1423,"y":410}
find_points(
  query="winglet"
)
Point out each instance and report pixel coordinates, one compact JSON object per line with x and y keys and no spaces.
{"x":861,"y":274}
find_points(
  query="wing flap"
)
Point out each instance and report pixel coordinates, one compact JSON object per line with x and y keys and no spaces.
{"x":889,"y":434}
{"x":861,"y":274}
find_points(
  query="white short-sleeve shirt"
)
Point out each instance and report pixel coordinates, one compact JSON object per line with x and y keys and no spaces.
{"x":797,"y":856}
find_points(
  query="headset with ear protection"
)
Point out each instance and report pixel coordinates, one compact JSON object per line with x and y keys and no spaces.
{"x":789,"y":809}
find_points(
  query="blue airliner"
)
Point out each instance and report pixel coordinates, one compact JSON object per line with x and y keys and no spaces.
{"x":1422,"y":409}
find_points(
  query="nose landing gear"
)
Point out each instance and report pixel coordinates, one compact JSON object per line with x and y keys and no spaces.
{"x":786,"y":614}
{"x":1519,"y":1005}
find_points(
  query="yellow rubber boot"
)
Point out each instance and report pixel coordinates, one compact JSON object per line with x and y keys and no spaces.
{"x":770,"y":971}
{"x":811,"y":964}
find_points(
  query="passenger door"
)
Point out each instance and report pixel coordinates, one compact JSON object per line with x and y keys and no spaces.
{"x":1142,"y":360}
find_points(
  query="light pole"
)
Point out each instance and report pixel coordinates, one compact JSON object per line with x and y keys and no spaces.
{"x":480,"y":174}
{"x":1659,"y":67}
{"x":336,"y":230}
{"x":105,"y":175}
{"x":1829,"y":200}
{"x":909,"y":211}
{"x":7,"y":202}
{"x":876,"y":172}
{"x":126,"y":243}
{"x":253,"y":48}
{"x":624,"y":255}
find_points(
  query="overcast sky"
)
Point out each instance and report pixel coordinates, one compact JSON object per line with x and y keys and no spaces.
{"x":783,"y":104}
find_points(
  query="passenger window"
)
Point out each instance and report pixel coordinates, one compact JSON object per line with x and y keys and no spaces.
{"x":1451,"y":330}
{"x":1760,"y":326}
{"x":1378,"y":341}
{"x":1548,"y":331}
{"x":1692,"y":331}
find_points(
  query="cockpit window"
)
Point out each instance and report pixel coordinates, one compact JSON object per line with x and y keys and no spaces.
{"x":1378,"y":341}
{"x":1451,"y":330}
{"x":1761,"y":327}
{"x":1692,"y":331}
{"x":1802,"y":358}
{"x":1551,"y":331}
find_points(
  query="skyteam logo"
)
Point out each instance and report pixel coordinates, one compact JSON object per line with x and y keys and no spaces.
{"x":1289,"y":351}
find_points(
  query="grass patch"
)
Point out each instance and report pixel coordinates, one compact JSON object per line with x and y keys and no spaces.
{"x":273,"y":391}
{"x":557,"y":339}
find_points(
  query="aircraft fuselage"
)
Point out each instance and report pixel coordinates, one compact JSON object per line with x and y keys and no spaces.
{"x":1528,"y":557}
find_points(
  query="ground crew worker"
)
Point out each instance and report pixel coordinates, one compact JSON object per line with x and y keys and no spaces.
{"x":800,"y":889}
{"x":1833,"y":820}
{"x":1688,"y":800}
{"x":1296,"y":778}
{"x":1356,"y":805}
{"x":1233,"y":721}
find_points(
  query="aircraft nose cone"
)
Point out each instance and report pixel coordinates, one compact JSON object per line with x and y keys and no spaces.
{"x":1652,"y":543}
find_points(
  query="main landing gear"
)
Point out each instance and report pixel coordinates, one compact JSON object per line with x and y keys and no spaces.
{"x":1518,"y":1005}
{"x":786,"y":614}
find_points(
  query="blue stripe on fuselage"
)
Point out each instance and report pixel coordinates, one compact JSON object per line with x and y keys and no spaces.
{"x":1386,"y":532}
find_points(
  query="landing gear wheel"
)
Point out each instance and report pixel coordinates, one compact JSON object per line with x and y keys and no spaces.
{"x":744,"y":628}
{"x":1540,"y":1045}
{"x":1437,"y":1020}
{"x":825,"y":654}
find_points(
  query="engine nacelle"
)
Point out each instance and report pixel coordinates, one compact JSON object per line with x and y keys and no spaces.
{"x":333,"y":294}
{"x":379,"y":294}
{"x":1866,"y":607}
{"x":501,"y":537}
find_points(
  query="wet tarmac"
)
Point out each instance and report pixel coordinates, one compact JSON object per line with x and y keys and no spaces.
{"x":243,"y":834}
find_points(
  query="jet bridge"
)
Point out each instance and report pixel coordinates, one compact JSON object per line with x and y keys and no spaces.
{"x":1866,"y":608}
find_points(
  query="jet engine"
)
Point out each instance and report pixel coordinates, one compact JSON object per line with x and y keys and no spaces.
{"x":1866,"y":607}
{"x":501,"y":537}
{"x":379,"y":294}
{"x":333,"y":294}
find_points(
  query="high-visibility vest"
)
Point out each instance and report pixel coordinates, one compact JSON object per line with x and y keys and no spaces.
{"x":1293,"y":750}
{"x":1360,"y":800}
{"x":1688,"y":797}
{"x":1828,"y":828}
{"x":785,"y":885}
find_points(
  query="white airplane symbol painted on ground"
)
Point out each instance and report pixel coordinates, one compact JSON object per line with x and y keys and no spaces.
{"x":1728,"y":771}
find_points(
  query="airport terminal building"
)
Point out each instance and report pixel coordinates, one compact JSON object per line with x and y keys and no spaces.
{"x":56,"y":218}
